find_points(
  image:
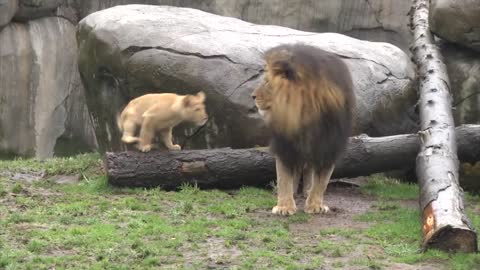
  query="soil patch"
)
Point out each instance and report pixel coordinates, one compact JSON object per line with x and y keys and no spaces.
{"x":345,"y":203}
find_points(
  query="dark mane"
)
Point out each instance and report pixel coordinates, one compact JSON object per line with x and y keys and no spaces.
{"x":324,"y":105}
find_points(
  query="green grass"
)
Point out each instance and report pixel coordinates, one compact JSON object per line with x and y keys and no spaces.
{"x":70,"y":165}
{"x":391,"y":189}
{"x":397,"y":229}
{"x":92,"y":225}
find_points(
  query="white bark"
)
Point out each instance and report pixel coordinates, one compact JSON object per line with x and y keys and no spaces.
{"x":445,"y":225}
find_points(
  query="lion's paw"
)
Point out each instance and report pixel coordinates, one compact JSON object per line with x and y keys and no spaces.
{"x":175,"y":147}
{"x":315,"y":208}
{"x":284,"y":210}
{"x":145,"y":148}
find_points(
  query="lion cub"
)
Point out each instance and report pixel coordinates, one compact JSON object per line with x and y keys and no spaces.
{"x":160,"y":113}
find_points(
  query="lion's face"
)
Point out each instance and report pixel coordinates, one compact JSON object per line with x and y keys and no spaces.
{"x":194,"y":106}
{"x":263,"y":100}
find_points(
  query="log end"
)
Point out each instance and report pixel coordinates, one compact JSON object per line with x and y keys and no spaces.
{"x":450,"y":239}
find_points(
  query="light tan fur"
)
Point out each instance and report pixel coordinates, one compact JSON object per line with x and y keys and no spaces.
{"x":159,"y":113}
{"x":314,"y":186}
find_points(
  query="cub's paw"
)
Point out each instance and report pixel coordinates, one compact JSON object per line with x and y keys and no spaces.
{"x":175,"y":147}
{"x":284,"y":210}
{"x":145,"y":148}
{"x":315,"y":208}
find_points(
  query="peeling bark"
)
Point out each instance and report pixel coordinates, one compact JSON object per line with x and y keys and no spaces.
{"x":233,"y":168}
{"x":445,"y":224}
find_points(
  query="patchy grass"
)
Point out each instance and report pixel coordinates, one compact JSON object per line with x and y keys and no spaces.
{"x":91,"y":225}
{"x":80,"y":164}
{"x":390,"y":189}
{"x":397,"y":229}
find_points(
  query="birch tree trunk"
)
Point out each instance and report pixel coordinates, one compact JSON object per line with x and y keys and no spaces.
{"x":445,"y":224}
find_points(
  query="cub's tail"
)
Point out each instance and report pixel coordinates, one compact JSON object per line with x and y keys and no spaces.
{"x":119,"y":121}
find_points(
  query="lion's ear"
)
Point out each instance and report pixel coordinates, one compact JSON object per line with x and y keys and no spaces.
{"x":201,"y":96}
{"x":284,"y":69}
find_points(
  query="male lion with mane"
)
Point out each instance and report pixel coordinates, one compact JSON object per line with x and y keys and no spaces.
{"x":307,"y":101}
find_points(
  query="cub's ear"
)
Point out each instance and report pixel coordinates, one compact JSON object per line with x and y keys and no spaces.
{"x":201,"y":96}
{"x":187,"y":100}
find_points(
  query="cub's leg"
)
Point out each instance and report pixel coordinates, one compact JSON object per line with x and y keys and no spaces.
{"x":167,"y":140}
{"x":129,"y":128}
{"x":147,"y":133}
{"x":285,"y":180}
{"x":314,"y":203}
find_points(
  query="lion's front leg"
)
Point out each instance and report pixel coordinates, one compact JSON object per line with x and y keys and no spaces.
{"x":314,"y":203}
{"x":167,"y":140}
{"x":285,"y":180}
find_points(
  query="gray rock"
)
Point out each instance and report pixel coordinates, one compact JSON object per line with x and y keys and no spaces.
{"x":456,"y":21}
{"x":463,"y":68}
{"x":42,"y":104}
{"x":65,"y":179}
{"x":33,"y":9}
{"x":24,"y":176}
{"x":374,"y":20}
{"x":131,"y":50}
{"x":7,"y":10}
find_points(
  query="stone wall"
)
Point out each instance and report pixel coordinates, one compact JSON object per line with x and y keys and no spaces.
{"x":42,"y":103}
{"x":41,"y":96}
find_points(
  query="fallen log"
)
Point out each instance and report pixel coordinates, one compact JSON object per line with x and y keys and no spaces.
{"x":233,"y":168}
{"x":445,"y":224}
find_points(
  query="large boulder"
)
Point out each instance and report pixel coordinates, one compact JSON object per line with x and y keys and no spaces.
{"x":130,"y":50}
{"x":42,"y":105}
{"x":32,"y":9}
{"x":7,"y":10}
{"x":373,"y":20}
{"x":456,"y":21}
{"x":463,"y":67}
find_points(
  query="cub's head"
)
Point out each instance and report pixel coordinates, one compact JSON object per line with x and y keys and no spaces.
{"x":194,"y":108}
{"x":263,"y":100}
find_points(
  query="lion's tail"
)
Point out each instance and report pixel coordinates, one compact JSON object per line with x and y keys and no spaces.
{"x":119,"y":121}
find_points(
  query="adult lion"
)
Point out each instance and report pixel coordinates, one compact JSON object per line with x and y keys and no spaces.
{"x":307,"y":101}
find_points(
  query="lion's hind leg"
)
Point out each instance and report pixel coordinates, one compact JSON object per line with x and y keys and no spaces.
{"x":307,"y":180}
{"x":129,"y":128}
{"x":285,"y":181}
{"x":314,"y":203}
{"x":147,"y":134}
